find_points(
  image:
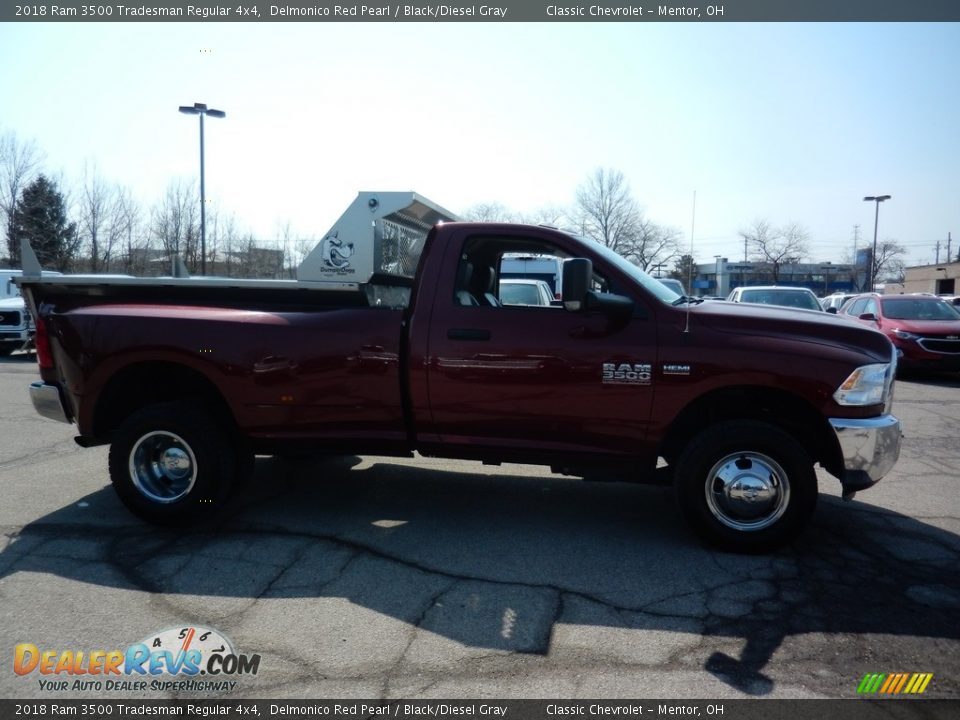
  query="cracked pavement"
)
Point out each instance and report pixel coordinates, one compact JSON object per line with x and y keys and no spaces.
{"x":374,"y":577}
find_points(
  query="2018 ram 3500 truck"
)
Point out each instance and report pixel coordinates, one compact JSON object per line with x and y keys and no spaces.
{"x":392,"y":340}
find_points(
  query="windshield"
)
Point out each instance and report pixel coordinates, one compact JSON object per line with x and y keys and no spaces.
{"x":652,"y":285}
{"x":919,"y":309}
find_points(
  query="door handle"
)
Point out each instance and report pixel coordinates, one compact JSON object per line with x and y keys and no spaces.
{"x":467,"y":334}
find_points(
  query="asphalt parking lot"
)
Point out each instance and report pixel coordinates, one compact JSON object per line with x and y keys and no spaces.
{"x":367,"y":577}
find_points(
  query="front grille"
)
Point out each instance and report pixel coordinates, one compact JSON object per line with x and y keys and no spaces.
{"x":12,"y":318}
{"x":940,"y":345}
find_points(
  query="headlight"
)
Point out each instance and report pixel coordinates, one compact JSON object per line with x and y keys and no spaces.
{"x":867,"y":385}
{"x":904,"y":335}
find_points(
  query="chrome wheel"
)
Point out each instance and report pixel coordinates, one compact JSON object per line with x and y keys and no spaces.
{"x":747,"y":491}
{"x":162,"y":467}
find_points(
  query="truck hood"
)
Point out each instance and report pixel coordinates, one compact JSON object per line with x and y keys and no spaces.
{"x":811,"y":326}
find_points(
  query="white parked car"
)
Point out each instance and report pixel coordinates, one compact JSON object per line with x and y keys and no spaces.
{"x":520,"y":291}
{"x":674,"y":285}
{"x":792,"y":297}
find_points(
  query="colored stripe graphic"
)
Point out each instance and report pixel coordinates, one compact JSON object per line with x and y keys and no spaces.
{"x":894,"y":683}
{"x":870,"y":683}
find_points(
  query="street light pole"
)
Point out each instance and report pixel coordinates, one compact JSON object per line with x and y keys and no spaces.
{"x":201,"y":109}
{"x":873,"y":256}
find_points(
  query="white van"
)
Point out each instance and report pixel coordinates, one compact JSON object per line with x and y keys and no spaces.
{"x":534,"y":267}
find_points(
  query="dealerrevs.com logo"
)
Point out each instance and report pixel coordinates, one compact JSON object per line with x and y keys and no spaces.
{"x":190,"y":659}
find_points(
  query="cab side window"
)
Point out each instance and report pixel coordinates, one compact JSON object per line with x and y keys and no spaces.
{"x":507,"y":270}
{"x":476,"y":282}
{"x":512,"y":272}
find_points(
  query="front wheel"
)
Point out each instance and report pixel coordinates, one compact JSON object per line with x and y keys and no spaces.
{"x":172,"y":464}
{"x":746,"y":486}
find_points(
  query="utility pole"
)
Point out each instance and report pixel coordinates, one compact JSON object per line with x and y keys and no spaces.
{"x":948,"y":246}
{"x":874,"y":267}
{"x":856,"y":238}
{"x":938,"y":252}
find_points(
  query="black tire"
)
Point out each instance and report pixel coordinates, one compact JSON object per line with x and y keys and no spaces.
{"x":173,"y":464}
{"x":746,"y":486}
{"x":6,"y":350}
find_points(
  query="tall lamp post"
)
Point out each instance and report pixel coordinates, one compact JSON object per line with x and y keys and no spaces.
{"x":873,"y":256}
{"x":201,"y":109}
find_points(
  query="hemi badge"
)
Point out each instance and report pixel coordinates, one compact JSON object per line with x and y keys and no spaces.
{"x":669,"y":369}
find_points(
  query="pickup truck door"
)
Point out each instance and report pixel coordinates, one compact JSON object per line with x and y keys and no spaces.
{"x":539,"y":378}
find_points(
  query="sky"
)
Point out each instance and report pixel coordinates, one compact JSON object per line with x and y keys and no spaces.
{"x":785,"y":122}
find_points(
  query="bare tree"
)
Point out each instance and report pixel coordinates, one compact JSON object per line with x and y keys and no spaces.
{"x":287,"y":243}
{"x":19,"y":162}
{"x":229,"y":241}
{"x":101,"y":218}
{"x":495,"y":211}
{"x":176,"y":224}
{"x":489,"y":212}
{"x":888,"y":262}
{"x":213,"y":238}
{"x":552,"y":215}
{"x":248,"y":256}
{"x":776,"y":246}
{"x":607,"y":212}
{"x":654,"y":244}
{"x":304,"y":246}
{"x":131,"y":234}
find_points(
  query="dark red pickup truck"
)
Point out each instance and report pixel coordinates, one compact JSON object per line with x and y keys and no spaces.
{"x":188,"y":378}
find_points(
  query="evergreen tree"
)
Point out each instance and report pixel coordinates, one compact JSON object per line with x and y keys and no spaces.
{"x":684,"y":268}
{"x":40,"y":216}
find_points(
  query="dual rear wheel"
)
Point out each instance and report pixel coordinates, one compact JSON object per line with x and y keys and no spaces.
{"x":173,"y":464}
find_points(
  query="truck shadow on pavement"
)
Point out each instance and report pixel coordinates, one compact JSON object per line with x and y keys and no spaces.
{"x":18,"y":357}
{"x":937,"y":379}
{"x":518,"y":564}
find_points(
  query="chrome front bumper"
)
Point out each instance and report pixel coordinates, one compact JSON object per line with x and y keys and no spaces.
{"x":870,"y":448}
{"x":48,"y":402}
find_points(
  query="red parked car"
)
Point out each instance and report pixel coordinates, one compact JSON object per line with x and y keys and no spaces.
{"x":925,"y":329}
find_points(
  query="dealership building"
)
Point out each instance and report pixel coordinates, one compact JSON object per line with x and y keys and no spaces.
{"x":722,"y":276}
{"x":939,"y":279}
